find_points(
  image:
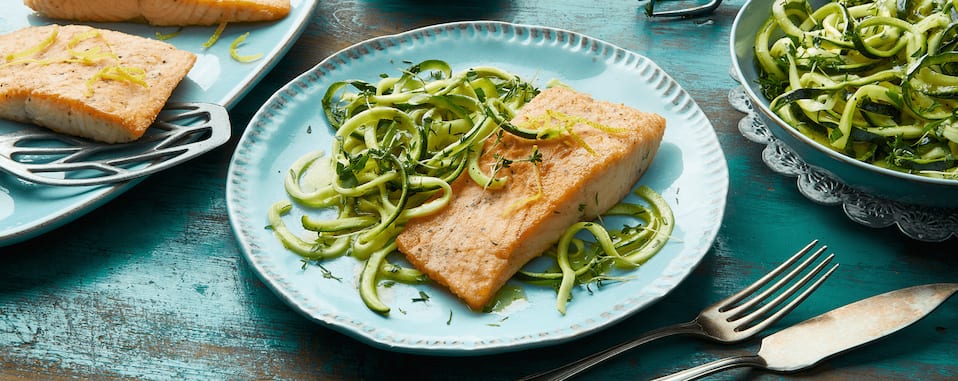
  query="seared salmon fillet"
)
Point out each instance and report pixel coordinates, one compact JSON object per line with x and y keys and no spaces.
{"x":94,"y":83}
{"x":163,"y":12}
{"x":484,"y":236}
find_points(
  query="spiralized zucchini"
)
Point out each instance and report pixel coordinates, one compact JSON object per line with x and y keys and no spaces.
{"x":867,"y":79}
{"x":398,"y":143}
{"x":591,"y":262}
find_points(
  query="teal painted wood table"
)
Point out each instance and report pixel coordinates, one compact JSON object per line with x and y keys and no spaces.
{"x":152,"y":285}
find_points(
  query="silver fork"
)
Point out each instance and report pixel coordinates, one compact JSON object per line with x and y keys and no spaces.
{"x":730,"y":320}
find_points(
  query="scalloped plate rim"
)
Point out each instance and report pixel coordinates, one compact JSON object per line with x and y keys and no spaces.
{"x":249,"y":230}
{"x":95,"y":196}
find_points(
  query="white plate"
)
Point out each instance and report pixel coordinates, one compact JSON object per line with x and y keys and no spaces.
{"x":28,"y":210}
{"x":689,"y":171}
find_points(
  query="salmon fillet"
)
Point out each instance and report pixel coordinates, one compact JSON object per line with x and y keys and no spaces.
{"x":48,"y":87}
{"x":163,"y":12}
{"x":484,"y":236}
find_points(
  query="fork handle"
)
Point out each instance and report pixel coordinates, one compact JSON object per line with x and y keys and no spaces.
{"x":571,"y":369}
{"x":714,"y":367}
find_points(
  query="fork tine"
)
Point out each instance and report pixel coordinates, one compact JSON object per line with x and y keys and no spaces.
{"x":798,"y":300}
{"x":795,"y":287}
{"x":761,"y":282}
{"x":740,"y":310}
{"x":713,"y":321}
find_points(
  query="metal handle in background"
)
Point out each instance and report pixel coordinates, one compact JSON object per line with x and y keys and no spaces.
{"x":686,"y":12}
{"x":714,"y":367}
{"x":574,"y":368}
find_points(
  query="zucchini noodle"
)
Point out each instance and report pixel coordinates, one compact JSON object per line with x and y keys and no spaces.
{"x":867,"y":78}
{"x":592,"y":261}
{"x":398,"y":143}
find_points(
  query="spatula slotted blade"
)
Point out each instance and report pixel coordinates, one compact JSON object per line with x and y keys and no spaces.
{"x":182,"y":131}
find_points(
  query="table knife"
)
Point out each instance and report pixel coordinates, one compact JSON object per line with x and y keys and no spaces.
{"x":809,"y":342}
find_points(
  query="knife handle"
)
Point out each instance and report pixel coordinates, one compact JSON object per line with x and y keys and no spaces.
{"x":714,"y":367}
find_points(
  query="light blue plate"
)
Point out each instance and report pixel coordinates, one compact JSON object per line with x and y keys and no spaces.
{"x":689,"y":171}
{"x":28,"y":210}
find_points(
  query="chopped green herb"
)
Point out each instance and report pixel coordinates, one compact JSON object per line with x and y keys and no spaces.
{"x":423,"y":297}
{"x":328,"y":274}
{"x":398,"y":143}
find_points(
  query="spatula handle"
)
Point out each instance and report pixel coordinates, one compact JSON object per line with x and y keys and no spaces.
{"x":714,"y":367}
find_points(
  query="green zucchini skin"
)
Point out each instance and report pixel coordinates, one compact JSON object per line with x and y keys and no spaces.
{"x":867,"y":79}
{"x":398,"y":144}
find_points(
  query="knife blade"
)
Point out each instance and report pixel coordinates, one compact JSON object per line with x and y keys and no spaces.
{"x":807,"y":343}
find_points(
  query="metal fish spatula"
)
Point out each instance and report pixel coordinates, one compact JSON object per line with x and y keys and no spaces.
{"x":807,"y":343}
{"x":181,"y":131}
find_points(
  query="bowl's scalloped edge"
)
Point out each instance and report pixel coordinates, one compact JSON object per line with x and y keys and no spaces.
{"x":922,"y":223}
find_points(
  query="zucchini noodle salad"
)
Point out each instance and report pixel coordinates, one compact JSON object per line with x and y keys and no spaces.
{"x":397,"y":145}
{"x":873,"y":80}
